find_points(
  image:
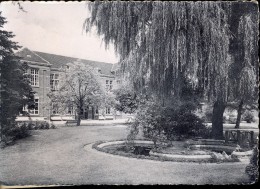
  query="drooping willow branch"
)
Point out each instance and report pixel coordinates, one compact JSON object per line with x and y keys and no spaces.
{"x":160,"y":43}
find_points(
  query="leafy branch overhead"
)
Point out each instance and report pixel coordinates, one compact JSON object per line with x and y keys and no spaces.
{"x":164,"y":40}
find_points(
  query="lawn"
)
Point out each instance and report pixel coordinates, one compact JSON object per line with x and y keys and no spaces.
{"x":58,"y":156}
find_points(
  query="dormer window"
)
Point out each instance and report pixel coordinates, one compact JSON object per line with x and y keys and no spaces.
{"x":98,"y":70}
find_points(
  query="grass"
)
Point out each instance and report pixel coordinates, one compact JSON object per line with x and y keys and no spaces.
{"x":57,"y":156}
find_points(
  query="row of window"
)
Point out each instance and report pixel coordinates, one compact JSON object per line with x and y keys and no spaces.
{"x":70,"y":110}
{"x":55,"y":111}
{"x":54,"y":80}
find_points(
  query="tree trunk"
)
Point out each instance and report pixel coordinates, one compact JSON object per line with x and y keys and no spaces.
{"x":239,"y":113}
{"x":93,"y":112}
{"x":1,"y":131}
{"x":217,"y":120}
{"x":86,"y":112}
{"x":78,"y":117}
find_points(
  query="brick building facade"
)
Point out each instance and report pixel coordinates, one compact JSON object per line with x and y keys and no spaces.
{"x":44,"y":69}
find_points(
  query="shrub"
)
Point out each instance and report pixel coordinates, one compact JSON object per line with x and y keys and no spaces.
{"x":248,"y":116}
{"x":149,"y":118}
{"x":126,"y":99}
{"x":208,"y":113}
{"x":252,"y":169}
{"x":21,"y":132}
{"x":52,"y":126}
{"x":43,"y":125}
{"x":229,"y":116}
{"x":168,"y":123}
{"x":225,"y":119}
{"x":46,"y":125}
{"x":232,"y":120}
{"x":34,"y":125}
{"x":17,"y":131}
{"x":183,"y":124}
{"x":37,"y":125}
{"x":30,"y":126}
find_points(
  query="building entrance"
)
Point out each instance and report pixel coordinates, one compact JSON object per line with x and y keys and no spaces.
{"x":87,"y":113}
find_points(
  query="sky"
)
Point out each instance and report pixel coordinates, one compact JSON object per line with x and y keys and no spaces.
{"x":57,"y":28}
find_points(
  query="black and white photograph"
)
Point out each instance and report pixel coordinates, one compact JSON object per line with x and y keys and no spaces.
{"x":129,"y":93}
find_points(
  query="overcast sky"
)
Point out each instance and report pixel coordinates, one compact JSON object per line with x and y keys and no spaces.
{"x":55,"y":27}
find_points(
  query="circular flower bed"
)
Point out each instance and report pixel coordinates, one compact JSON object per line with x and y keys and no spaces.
{"x":143,"y":149}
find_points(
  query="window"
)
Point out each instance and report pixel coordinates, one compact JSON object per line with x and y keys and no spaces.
{"x":34,"y":77}
{"x":70,"y":109}
{"x":54,"y":81}
{"x":96,"y":110}
{"x":118,"y":81}
{"x":108,"y":111}
{"x":109,"y":85}
{"x":25,"y":108}
{"x":35,"y":111}
{"x":55,"y":109}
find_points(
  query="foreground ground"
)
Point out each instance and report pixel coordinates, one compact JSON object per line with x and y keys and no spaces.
{"x":58,"y":156}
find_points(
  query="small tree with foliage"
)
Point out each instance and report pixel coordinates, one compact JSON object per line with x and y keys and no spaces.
{"x":243,"y":72}
{"x":126,"y":99}
{"x":80,"y":86}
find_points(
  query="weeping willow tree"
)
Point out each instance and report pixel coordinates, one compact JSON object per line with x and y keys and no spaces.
{"x":162,"y":43}
{"x":244,"y":75}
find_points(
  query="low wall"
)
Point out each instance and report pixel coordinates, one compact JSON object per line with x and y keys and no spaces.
{"x":123,"y":142}
{"x":61,"y":118}
{"x":23,"y":118}
{"x":182,"y":157}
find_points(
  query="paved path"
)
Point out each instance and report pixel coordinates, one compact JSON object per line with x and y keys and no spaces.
{"x":90,"y":122}
{"x":58,"y":156}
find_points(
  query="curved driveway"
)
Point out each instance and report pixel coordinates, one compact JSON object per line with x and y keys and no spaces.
{"x":58,"y":156}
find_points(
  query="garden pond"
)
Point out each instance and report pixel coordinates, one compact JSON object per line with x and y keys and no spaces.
{"x":187,"y":151}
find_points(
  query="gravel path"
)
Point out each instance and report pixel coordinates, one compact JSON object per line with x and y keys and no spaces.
{"x":58,"y":156}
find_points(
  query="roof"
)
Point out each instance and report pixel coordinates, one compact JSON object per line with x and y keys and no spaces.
{"x":29,"y":55}
{"x":115,"y":67}
{"x":58,"y":61}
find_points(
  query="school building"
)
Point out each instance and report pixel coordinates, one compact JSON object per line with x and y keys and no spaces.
{"x":44,"y":69}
